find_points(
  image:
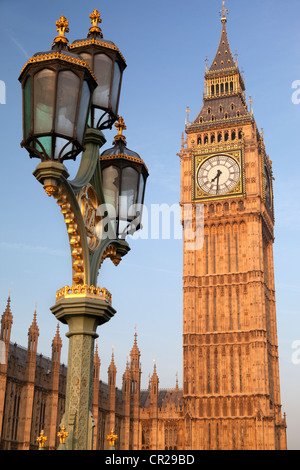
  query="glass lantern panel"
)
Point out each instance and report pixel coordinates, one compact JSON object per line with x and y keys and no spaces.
{"x":115,"y":88}
{"x":140,"y":200}
{"x":66,"y":103}
{"x":83,"y":111}
{"x":111,"y":187}
{"x":141,"y":189}
{"x":128,"y":196}
{"x":44,"y":145}
{"x":103,"y":71}
{"x":27,"y":106}
{"x":61,"y":147}
{"x":44,"y":90}
{"x":87,"y":58}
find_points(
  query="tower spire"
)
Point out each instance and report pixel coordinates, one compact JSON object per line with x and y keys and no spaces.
{"x":223,"y":58}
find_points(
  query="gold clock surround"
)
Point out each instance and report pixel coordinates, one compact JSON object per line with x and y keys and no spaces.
{"x":201,"y":155}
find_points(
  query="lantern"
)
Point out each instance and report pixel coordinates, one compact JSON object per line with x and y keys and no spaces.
{"x":57,"y":90}
{"x":108,"y":64}
{"x":124,"y":176}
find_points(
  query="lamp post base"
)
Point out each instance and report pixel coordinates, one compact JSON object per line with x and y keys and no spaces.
{"x":83,"y":313}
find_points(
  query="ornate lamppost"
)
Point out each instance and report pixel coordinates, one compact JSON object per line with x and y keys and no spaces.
{"x":70,"y":94}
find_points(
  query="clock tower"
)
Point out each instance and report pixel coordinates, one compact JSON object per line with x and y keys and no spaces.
{"x":231,"y":386}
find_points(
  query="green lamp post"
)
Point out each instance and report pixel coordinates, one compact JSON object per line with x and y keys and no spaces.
{"x":70,"y":94}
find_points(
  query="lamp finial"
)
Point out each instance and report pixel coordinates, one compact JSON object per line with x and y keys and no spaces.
{"x":62,"y":27}
{"x":62,"y":435}
{"x":41,"y":440}
{"x":112,"y":437}
{"x":95,"y":20}
{"x":120,"y":125}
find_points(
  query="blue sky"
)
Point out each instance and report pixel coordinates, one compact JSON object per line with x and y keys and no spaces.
{"x":165,"y":45}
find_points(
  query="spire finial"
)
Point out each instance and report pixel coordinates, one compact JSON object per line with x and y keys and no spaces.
{"x":250,"y":102}
{"x":187,"y":121}
{"x":223,"y":13}
{"x":135,"y":336}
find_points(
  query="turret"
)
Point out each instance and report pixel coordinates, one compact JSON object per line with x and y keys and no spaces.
{"x":135,"y":368}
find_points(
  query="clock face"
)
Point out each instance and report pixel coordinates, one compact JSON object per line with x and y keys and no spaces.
{"x":218,"y":174}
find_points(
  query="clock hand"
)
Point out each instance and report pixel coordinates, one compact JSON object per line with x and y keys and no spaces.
{"x":217,"y":176}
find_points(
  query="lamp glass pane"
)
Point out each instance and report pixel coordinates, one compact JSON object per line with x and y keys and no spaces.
{"x":103,"y":71}
{"x":44,"y":89}
{"x":140,"y":200}
{"x":27,"y":106}
{"x":83,"y":111}
{"x":128,"y":194}
{"x":66,"y":103}
{"x":111,"y":186}
{"x":44,"y":145}
{"x":61,"y":144}
{"x":141,"y":190}
{"x":115,"y":88}
{"x":87,"y":58}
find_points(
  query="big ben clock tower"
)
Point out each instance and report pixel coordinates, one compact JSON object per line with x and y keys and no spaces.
{"x":231,"y":386}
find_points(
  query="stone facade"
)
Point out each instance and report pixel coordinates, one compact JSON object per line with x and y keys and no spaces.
{"x":231,"y":389}
{"x":32,"y":398}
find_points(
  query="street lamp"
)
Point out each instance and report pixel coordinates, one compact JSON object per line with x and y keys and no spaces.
{"x":68,"y":99}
